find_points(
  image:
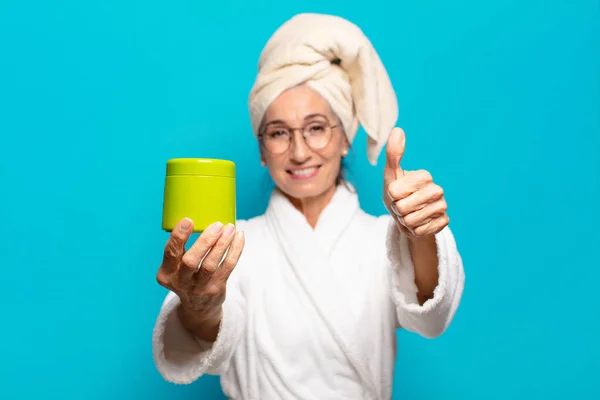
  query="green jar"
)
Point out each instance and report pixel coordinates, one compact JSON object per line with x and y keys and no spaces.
{"x":201,"y":189}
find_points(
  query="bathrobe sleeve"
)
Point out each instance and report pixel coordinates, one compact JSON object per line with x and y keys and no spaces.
{"x":182,"y":358}
{"x":433,"y":317}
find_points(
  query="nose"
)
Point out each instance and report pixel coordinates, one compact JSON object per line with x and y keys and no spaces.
{"x":299,"y":151}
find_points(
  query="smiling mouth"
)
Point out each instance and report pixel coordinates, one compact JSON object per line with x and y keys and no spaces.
{"x":304,"y":173}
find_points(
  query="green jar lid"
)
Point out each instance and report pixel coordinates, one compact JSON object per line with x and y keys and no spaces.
{"x":200,"y":166}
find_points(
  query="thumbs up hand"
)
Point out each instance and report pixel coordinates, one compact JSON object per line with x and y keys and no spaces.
{"x":416,"y":202}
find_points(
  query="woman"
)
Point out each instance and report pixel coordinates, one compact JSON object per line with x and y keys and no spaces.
{"x":304,"y":301}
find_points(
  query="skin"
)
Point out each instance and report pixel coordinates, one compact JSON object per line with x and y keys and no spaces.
{"x":199,"y":281}
{"x":294,"y":108}
{"x":412,"y":198}
{"x":419,"y":209}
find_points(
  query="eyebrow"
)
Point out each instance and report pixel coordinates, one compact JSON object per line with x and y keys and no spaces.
{"x":309,"y":116}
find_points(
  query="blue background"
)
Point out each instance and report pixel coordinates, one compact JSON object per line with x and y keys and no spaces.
{"x":500,"y":101}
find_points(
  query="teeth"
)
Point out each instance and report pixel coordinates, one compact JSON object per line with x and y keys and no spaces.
{"x":304,"y":172}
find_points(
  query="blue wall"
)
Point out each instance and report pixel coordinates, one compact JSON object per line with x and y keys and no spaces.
{"x":500,"y":101}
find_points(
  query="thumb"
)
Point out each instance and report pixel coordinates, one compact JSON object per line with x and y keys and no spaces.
{"x":395,"y":151}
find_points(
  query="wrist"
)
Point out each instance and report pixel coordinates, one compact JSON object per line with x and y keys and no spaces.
{"x":428,"y":240}
{"x":193,"y":319}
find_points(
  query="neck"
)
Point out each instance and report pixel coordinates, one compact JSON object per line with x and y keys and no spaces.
{"x":312,"y":207}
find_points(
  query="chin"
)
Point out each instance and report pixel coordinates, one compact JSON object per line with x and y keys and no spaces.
{"x":305,"y":193}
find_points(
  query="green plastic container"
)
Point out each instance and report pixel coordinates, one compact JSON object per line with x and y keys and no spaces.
{"x":201,"y":189}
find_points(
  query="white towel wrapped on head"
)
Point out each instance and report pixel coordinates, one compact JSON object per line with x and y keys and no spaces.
{"x":333,"y":57}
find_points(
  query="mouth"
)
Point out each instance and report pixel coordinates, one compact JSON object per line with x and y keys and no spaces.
{"x":304,"y":173}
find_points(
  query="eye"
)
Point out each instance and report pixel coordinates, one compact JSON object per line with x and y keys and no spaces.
{"x":276,"y":133}
{"x":317,"y":127}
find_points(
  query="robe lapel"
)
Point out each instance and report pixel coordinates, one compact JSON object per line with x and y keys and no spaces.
{"x":308,"y":253}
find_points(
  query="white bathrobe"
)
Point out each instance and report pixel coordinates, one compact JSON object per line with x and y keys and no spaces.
{"x":313,"y":314}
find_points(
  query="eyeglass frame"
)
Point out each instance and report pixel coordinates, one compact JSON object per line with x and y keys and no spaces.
{"x":262,"y":134}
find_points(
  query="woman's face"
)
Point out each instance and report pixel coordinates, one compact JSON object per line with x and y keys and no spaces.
{"x":301,"y":171}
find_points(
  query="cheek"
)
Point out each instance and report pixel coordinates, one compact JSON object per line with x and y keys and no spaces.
{"x":275,"y":164}
{"x":332,"y":164}
{"x":334,"y":155}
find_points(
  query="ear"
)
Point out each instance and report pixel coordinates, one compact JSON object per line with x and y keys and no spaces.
{"x":262,"y":159}
{"x":345,"y":147}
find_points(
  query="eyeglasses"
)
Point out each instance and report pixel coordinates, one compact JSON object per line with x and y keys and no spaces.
{"x":277,"y":139}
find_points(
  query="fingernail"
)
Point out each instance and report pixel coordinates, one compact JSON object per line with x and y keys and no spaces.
{"x":216,"y":227}
{"x":185,"y":224}
{"x":228,"y":230}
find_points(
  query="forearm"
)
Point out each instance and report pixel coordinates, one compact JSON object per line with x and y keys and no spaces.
{"x":204,"y":326}
{"x":183,"y":353}
{"x":427,"y":280}
{"x":424,"y":256}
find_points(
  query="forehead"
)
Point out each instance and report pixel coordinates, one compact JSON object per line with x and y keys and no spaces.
{"x":297,"y":104}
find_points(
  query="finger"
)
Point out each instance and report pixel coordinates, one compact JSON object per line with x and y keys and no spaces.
{"x":175,"y":246}
{"x":399,"y":219}
{"x":192,"y":258}
{"x":394,"y":153}
{"x":432,"y":227}
{"x":405,"y":230}
{"x":395,"y":148}
{"x":232,"y":257}
{"x":419,"y":199}
{"x":213,"y":259}
{"x":409,"y":184}
{"x":428,"y":213}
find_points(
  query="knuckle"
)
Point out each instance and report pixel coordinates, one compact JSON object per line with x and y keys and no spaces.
{"x":205,"y":241}
{"x":421,"y":230}
{"x":177,"y":239}
{"x":213,"y":290}
{"x":202,"y":274}
{"x":440,"y":224}
{"x":211,"y":262}
{"x":239,"y":245}
{"x":209,"y":265}
{"x":441,"y":208}
{"x":171,"y":252}
{"x":177,"y":236}
{"x":409,"y":220}
{"x":393,"y":189}
{"x":188,"y":262}
{"x":399,"y":208}
{"x":163,"y":279}
{"x":236,"y":248}
{"x":220,"y":246}
{"x":232,"y":258}
{"x":229,"y":263}
{"x":425,"y":176}
{"x":207,"y":238}
{"x":444,"y":209}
